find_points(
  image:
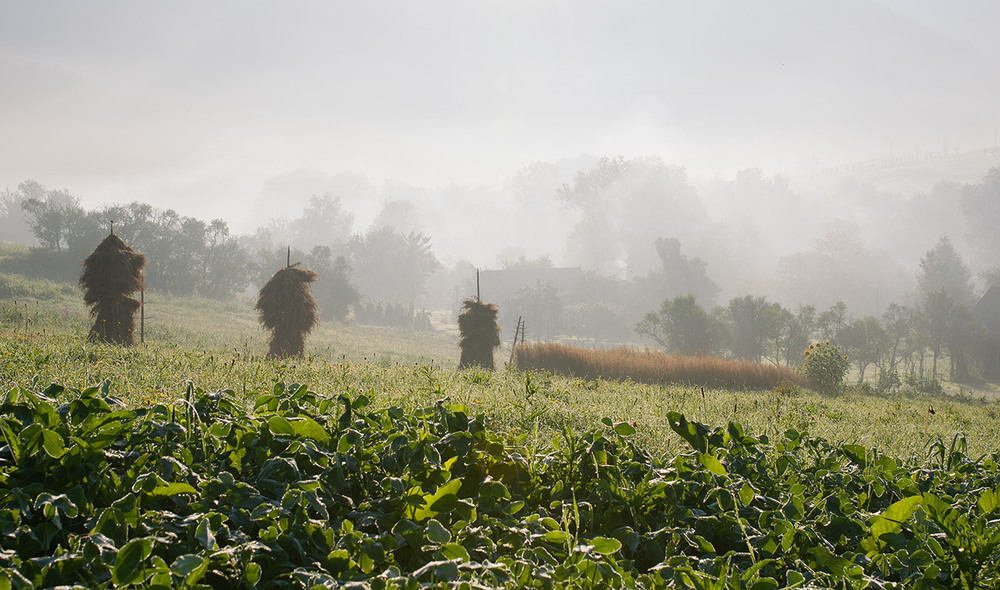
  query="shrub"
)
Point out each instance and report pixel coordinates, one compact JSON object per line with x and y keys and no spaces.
{"x":825,"y":366}
{"x":888,"y":381}
{"x":788,"y":388}
{"x":864,"y":388}
{"x":924,"y":384}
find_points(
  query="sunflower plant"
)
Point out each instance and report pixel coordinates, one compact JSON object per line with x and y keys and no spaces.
{"x":825,"y":365}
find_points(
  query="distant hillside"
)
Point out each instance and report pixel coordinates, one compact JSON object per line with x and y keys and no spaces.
{"x":906,"y":174}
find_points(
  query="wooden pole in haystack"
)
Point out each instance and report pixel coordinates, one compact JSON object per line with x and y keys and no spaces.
{"x":111,"y":273}
{"x":479,"y":333}
{"x":288,"y":310}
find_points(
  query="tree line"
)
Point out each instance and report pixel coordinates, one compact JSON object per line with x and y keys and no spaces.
{"x":889,"y":347}
{"x":188,"y":256}
{"x":380,"y":274}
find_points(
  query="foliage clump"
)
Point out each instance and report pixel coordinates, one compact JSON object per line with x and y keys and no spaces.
{"x":825,"y":365}
{"x":921,"y":384}
{"x":111,"y":273}
{"x":480,"y":333}
{"x":305,"y":490}
{"x":287,"y":308}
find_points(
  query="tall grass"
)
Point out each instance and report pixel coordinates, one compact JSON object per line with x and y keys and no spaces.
{"x":647,"y":366}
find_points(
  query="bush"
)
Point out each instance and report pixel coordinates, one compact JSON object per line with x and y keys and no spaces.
{"x":392,"y":314}
{"x":924,"y":384}
{"x":38,"y":263}
{"x":888,"y":381}
{"x":825,"y":366}
{"x":788,"y":388}
{"x":863,"y":388}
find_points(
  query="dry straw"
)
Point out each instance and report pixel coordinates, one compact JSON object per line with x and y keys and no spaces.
{"x":649,"y":366}
{"x":479,"y":333}
{"x":111,"y":273}
{"x":287,"y":308}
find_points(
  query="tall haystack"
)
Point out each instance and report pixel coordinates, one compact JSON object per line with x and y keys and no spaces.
{"x":288,"y":310}
{"x":111,"y":273}
{"x":479,"y":333}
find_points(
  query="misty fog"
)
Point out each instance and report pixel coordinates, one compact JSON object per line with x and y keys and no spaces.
{"x":811,"y":152}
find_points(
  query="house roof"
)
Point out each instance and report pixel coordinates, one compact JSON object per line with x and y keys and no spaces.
{"x":987,"y":311}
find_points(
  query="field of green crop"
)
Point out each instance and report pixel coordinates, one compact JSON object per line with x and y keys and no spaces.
{"x":193,"y":461}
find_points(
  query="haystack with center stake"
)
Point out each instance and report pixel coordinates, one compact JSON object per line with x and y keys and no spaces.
{"x":287,"y":308}
{"x":111,"y":273}
{"x":479,"y":333}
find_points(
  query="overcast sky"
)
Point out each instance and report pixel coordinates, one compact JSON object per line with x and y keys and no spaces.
{"x":199,"y":105}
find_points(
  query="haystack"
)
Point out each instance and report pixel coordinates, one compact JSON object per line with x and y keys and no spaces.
{"x":111,"y":273}
{"x":288,"y":310}
{"x":479,"y":333}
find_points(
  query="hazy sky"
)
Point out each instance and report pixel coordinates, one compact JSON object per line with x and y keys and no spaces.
{"x":199,"y":105}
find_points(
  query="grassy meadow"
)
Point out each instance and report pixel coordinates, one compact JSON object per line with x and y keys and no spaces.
{"x":219,"y":346}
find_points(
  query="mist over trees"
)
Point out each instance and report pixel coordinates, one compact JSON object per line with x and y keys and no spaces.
{"x":625,"y":206}
{"x":750,"y":267}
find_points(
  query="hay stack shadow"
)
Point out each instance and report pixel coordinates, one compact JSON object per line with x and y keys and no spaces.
{"x":286,"y":307}
{"x":479,"y":333}
{"x":111,"y":273}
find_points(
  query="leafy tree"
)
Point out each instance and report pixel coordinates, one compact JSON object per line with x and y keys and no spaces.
{"x":841,"y":267}
{"x":85,"y":229}
{"x":964,"y":333}
{"x":624,"y":206}
{"x":401,"y":214}
{"x":185,"y":241}
{"x":541,"y":308}
{"x":980,"y":203}
{"x":797,"y":330}
{"x":184,"y":255}
{"x":13,"y":221}
{"x":942,"y":268}
{"x":752,"y":322}
{"x":938,"y":308}
{"x":392,"y":266}
{"x":323,"y":222}
{"x":679,"y":275}
{"x":681,"y":325}
{"x":334,"y":293}
{"x":597,"y":320}
{"x":224,"y":264}
{"x":864,"y":340}
{"x":899,"y":324}
{"x":830,"y":322}
{"x":49,"y":213}
{"x":140,"y":220}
